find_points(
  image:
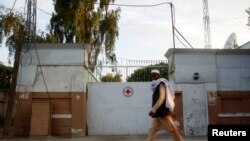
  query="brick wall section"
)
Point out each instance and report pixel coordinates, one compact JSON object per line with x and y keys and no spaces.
{"x":68,"y":113}
{"x":229,"y":107}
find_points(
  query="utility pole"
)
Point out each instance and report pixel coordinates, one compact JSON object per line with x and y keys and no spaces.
{"x":172,"y":20}
{"x":12,"y":92}
{"x":30,"y":24}
{"x":207,"y":38}
{"x":27,"y":34}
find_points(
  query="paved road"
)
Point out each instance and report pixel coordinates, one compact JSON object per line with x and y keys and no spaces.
{"x":105,"y":138}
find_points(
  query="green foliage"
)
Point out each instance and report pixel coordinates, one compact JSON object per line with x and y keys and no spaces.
{"x":143,"y":74}
{"x":5,"y":76}
{"x":10,"y":24}
{"x":110,"y":78}
{"x":83,"y":21}
{"x":10,"y":28}
{"x":43,"y":37}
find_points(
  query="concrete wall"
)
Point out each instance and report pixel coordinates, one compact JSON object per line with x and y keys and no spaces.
{"x":229,"y":107}
{"x":187,"y":64}
{"x":57,"y":78}
{"x":195,"y":106}
{"x":53,"y":54}
{"x":62,"y":66}
{"x":224,"y":81}
{"x":3,"y":101}
{"x":112,"y":113}
{"x":3,"y":106}
{"x":60,"y":79}
{"x":109,"y":112}
{"x":233,"y":72}
{"x":68,"y":113}
{"x":245,"y":46}
{"x":228,"y":68}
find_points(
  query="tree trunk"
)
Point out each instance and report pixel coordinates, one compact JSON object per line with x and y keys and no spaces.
{"x":12,"y":92}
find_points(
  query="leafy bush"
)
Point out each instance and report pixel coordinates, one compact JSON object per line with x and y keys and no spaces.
{"x":111,"y":78}
{"x":143,"y":74}
{"x":5,"y":76}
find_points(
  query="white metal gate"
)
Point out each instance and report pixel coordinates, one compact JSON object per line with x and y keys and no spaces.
{"x":195,"y":110}
{"x":118,"y":108}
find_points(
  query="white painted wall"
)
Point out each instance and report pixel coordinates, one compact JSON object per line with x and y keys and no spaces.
{"x":234,"y":72}
{"x":219,"y":69}
{"x":195,"y":106}
{"x":245,"y":46}
{"x":187,"y":64}
{"x":195,"y":110}
{"x":111,"y":113}
{"x":57,"y":79}
{"x":228,"y":68}
{"x":62,"y":66}
{"x":53,"y":54}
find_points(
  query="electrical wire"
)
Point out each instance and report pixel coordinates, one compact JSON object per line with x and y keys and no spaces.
{"x":121,"y":5}
{"x":180,"y":41}
{"x":9,"y":11}
{"x":19,"y":106}
{"x":183,"y":37}
{"x":39,"y":63}
{"x":173,"y":11}
{"x":12,"y":7}
{"x":133,"y":5}
{"x":26,"y":52}
{"x":44,"y":11}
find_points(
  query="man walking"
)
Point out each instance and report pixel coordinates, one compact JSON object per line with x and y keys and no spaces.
{"x":162,"y":108}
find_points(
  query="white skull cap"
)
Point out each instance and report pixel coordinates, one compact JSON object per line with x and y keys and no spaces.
{"x":155,"y":71}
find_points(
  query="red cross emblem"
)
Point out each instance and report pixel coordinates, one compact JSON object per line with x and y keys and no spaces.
{"x":127,"y":91}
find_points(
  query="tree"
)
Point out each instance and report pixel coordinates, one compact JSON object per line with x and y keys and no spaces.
{"x":248,"y":12}
{"x":5,"y":76}
{"x":42,"y":37}
{"x":143,"y":74}
{"x":9,"y":28}
{"x":85,"y":21}
{"x":110,"y":78}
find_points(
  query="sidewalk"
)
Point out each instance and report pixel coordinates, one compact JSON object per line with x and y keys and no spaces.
{"x":106,"y":138}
